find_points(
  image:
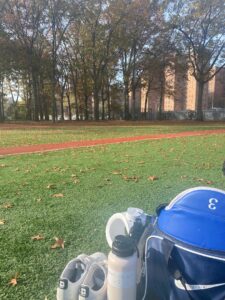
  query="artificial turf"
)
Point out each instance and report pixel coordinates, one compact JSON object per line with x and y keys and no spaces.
{"x":94,"y":183}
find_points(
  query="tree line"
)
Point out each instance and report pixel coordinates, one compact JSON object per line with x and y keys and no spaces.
{"x":86,"y":54}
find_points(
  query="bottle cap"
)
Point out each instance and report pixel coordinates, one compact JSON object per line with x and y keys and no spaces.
{"x":123,"y":246}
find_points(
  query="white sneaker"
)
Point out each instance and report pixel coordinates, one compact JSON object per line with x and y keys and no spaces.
{"x":94,"y":286}
{"x":74,"y":274}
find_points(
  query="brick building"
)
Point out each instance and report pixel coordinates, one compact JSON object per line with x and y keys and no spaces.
{"x":181,"y":92}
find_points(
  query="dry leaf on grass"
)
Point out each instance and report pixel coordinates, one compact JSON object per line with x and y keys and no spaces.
{"x":116,"y":172}
{"x":131,"y":178}
{"x":199,"y":179}
{"x":209,"y":182}
{"x":141,"y":162}
{"x":76,"y":181}
{"x":60,"y":195}
{"x":7,"y":205}
{"x":13,"y":281}
{"x":107,"y":179}
{"x":206,"y":181}
{"x":59,"y":243}
{"x":74,"y":175}
{"x":56,"y":169}
{"x":50,"y":186}
{"x":2,"y":222}
{"x":37,"y":237}
{"x":153,"y":178}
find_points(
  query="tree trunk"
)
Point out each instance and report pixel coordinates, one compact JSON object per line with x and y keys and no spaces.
{"x":46,"y":107}
{"x":96,"y":104}
{"x":62,"y":108}
{"x":146,"y":100}
{"x":103,"y":103}
{"x":40,"y":102}
{"x":126,"y":102}
{"x":53,"y":94}
{"x":1,"y":102}
{"x":200,"y":101}
{"x":69,"y":106}
{"x":62,"y":98}
{"x":133,"y":102}
{"x":85,"y":90}
{"x":35,"y":95}
{"x":161,"y":99}
{"x":133,"y":82}
{"x":53,"y":60}
{"x":108,"y":100}
{"x":75,"y":96}
{"x":28,"y":98}
{"x":15,"y":111}
{"x":86,"y":112}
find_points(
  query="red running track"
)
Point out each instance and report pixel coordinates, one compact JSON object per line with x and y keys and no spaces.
{"x":90,"y":143}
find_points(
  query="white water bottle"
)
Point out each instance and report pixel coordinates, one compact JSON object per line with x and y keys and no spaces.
{"x":122,"y":269}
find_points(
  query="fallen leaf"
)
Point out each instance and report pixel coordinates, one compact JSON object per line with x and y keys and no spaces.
{"x":74,"y":175}
{"x":50,"y":186}
{"x":116,"y":172}
{"x":39,"y":199}
{"x":37,"y":237}
{"x":2,"y":222}
{"x":76,"y":181}
{"x":13,"y":281}
{"x":131,"y":178}
{"x":59,"y":243}
{"x":153,"y":178}
{"x":3,"y":165}
{"x":200,"y":179}
{"x":56,"y":169}
{"x":209,"y":182}
{"x":7,"y":205}
{"x":140,"y":162}
{"x":60,"y":195}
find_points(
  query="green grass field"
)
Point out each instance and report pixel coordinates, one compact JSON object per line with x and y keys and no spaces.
{"x":60,"y":133}
{"x":93,"y":183}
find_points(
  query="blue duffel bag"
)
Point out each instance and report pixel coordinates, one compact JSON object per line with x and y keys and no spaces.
{"x":185,"y":254}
